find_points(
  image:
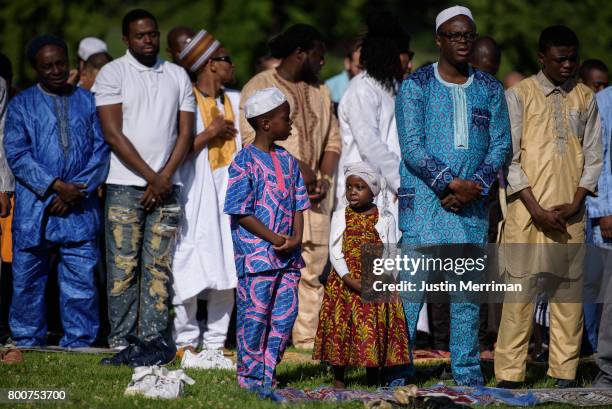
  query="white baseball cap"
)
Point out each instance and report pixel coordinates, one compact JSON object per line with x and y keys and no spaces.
{"x":90,"y":46}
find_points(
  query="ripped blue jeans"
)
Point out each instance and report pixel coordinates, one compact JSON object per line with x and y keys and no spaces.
{"x":139,"y":251}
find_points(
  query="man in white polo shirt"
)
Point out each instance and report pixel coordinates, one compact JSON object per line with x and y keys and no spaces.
{"x":141,"y":100}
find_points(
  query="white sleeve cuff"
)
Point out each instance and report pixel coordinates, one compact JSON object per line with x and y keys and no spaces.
{"x":102,"y":99}
{"x":340,"y":267}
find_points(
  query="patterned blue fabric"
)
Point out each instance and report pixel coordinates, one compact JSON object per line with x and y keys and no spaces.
{"x":463,"y":343}
{"x":254,"y":189}
{"x":601,"y":205}
{"x":266,"y":308}
{"x":430,"y":159}
{"x":433,"y":153}
{"x":49,"y":137}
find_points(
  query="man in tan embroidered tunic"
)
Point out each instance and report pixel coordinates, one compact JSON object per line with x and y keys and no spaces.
{"x":315,"y":142}
{"x":557,"y":158}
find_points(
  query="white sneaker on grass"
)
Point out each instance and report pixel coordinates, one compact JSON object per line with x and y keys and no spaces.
{"x":143,"y":379}
{"x":207,"y":359}
{"x":169,"y":386}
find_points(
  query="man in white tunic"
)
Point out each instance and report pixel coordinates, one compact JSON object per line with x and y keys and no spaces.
{"x":204,"y":259}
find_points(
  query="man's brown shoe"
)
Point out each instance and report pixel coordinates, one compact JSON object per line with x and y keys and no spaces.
{"x":11,"y":356}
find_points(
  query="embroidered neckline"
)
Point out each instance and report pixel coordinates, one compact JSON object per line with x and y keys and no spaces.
{"x":450,"y":84}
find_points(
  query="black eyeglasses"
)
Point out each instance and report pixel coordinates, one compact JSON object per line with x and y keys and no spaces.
{"x":455,"y":37}
{"x":225,"y":58}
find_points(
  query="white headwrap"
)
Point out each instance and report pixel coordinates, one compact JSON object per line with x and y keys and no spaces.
{"x":451,"y":12}
{"x":263,"y":101}
{"x":369,"y":174}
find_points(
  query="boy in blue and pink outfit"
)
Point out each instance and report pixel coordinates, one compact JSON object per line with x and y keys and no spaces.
{"x":265,"y":197}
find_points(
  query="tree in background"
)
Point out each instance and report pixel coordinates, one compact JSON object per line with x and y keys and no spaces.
{"x":244,"y":26}
{"x":22,"y":20}
{"x":516,"y":25}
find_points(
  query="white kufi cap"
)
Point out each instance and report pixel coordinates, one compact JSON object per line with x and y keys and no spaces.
{"x":90,"y":46}
{"x":263,"y":101}
{"x":451,"y":12}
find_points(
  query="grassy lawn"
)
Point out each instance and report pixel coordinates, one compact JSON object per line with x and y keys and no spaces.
{"x":90,"y":385}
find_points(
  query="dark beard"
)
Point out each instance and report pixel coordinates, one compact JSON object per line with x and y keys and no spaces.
{"x":148,"y":60}
{"x":309,"y":77}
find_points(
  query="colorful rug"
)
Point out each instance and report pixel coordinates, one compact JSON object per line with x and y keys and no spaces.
{"x":430,"y":355}
{"x":477,"y":396}
{"x":575,"y":396}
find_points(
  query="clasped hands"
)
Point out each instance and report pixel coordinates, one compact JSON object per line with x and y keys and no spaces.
{"x":461,"y":193}
{"x":158,"y":187}
{"x":222,"y":128}
{"x":555,"y":218}
{"x":68,"y":195}
{"x":285,"y":243}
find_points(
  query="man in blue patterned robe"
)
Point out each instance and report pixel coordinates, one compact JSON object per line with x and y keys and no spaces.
{"x":454,"y":135}
{"x":56,"y":150}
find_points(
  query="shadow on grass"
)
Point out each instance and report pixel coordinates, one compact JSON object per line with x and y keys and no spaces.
{"x":303,"y":372}
{"x":536,"y":376}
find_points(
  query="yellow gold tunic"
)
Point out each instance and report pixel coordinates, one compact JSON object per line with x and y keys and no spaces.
{"x":556,"y":144}
{"x":556,"y":140}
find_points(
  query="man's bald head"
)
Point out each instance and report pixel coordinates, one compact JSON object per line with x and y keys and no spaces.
{"x":177,"y":40}
{"x":486,"y":55}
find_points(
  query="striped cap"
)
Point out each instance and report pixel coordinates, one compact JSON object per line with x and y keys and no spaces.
{"x":199,"y":49}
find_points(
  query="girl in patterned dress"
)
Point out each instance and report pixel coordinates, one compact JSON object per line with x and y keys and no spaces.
{"x":352,"y":332}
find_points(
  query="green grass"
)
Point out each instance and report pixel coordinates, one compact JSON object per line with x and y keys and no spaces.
{"x":90,"y":385}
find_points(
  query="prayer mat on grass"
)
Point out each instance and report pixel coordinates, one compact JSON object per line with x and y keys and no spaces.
{"x":430,"y":355}
{"x":575,"y":396}
{"x":470,"y":396}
